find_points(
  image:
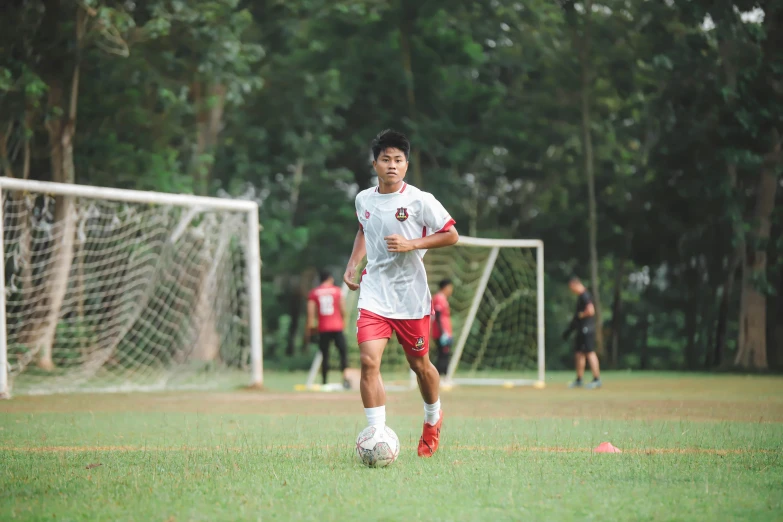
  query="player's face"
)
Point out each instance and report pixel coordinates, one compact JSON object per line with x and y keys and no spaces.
{"x":448,"y":290}
{"x":391,"y":166}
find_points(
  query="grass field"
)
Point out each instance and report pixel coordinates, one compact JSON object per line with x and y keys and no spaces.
{"x":694,"y":448}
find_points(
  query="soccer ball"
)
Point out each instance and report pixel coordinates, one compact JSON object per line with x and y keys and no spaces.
{"x":377,"y":446}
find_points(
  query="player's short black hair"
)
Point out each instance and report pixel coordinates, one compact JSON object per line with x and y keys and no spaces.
{"x":444,"y":283}
{"x":325,"y":274}
{"x":390,"y":139}
{"x":574,"y":279}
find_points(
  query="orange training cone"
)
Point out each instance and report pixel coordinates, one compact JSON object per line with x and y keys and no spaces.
{"x":606,"y":447}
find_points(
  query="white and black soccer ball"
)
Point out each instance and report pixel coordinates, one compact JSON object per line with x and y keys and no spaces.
{"x":377,"y":446}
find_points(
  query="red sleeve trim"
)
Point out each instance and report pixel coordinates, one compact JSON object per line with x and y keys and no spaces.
{"x":423,"y":231}
{"x":450,"y":223}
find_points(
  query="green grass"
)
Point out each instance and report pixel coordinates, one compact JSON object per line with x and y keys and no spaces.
{"x":694,"y":448}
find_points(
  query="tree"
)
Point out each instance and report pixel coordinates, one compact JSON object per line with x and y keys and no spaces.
{"x":768,"y":127}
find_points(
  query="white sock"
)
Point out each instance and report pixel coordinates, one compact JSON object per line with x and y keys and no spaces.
{"x":376,"y":416}
{"x":432,"y":412}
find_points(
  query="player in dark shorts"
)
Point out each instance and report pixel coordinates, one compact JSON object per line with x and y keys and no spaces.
{"x":583,"y":323}
{"x":325,"y":305}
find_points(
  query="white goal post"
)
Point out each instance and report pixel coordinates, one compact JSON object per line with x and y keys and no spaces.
{"x":497,"y":246}
{"x":118,"y":290}
{"x":497,"y":313}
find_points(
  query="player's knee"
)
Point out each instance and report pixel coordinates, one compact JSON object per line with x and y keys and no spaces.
{"x":419,"y":365}
{"x":370,"y":363}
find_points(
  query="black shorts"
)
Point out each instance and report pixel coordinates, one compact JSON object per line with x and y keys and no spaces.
{"x":585,"y":342}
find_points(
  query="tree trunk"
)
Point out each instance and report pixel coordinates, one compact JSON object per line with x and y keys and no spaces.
{"x":617,"y":310}
{"x":752,"y":351}
{"x":61,"y":128}
{"x":207,"y":345}
{"x":587,"y":143}
{"x":708,"y":347}
{"x":776,"y":351}
{"x":738,"y":256}
{"x":296,"y":187}
{"x":691,"y":313}
{"x":4,"y":138}
{"x":209,"y":122}
{"x":295,"y":298}
{"x":407,"y":64}
{"x":721,"y":333}
{"x":30,"y":309}
{"x":644,"y":356}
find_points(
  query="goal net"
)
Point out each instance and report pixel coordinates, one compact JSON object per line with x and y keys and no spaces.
{"x":497,"y":314}
{"x":117,"y":290}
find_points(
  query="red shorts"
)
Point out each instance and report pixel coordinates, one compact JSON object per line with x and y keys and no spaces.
{"x":413,"y":334}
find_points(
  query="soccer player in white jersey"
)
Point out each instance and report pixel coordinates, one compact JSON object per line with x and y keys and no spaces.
{"x":398,"y":223}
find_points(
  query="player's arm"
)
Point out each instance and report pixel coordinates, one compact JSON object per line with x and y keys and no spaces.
{"x":311,"y":313}
{"x":438,"y":321}
{"x":571,"y":327}
{"x":445,"y":337}
{"x":343,"y":307}
{"x":397,"y":243}
{"x":433,"y":217}
{"x":310,"y":325}
{"x":358,"y":253}
{"x":588,"y":312}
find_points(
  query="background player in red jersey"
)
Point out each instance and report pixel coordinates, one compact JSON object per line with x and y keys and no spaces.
{"x":397,"y":224}
{"x":441,"y":325}
{"x":325,"y":315}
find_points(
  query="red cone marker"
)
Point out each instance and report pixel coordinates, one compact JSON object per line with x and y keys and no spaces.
{"x":606,"y":447}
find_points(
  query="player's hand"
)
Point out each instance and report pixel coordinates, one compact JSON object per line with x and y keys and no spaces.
{"x":350,"y":277}
{"x":445,"y":340}
{"x":397,"y":243}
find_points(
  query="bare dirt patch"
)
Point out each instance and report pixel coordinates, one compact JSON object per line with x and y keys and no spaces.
{"x":693,"y":399}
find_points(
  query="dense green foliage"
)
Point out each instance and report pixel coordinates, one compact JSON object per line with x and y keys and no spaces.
{"x":682,"y":101}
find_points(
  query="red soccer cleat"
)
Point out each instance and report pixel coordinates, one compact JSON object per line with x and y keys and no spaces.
{"x":430,"y":437}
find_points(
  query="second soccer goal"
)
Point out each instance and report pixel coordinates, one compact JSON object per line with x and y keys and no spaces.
{"x":497,"y":313}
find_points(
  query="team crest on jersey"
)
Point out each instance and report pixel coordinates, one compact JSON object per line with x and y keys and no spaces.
{"x":366,"y":214}
{"x":419,"y":344}
{"x":402,"y":214}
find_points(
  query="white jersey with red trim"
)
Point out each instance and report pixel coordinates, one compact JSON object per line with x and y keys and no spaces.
{"x":394,"y":285}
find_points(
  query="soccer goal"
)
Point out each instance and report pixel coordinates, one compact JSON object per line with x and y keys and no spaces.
{"x":120,"y":290}
{"x":497,"y":312}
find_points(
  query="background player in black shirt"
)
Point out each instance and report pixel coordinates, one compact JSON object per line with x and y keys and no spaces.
{"x":583,"y":323}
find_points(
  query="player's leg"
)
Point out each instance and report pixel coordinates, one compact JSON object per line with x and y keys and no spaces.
{"x":414,"y":338}
{"x":443,"y":357}
{"x":371,"y":384}
{"x":427,"y":377}
{"x":342,"y":347}
{"x":324,"y":339}
{"x":592,"y":358}
{"x":579,"y":362}
{"x":372,"y":334}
